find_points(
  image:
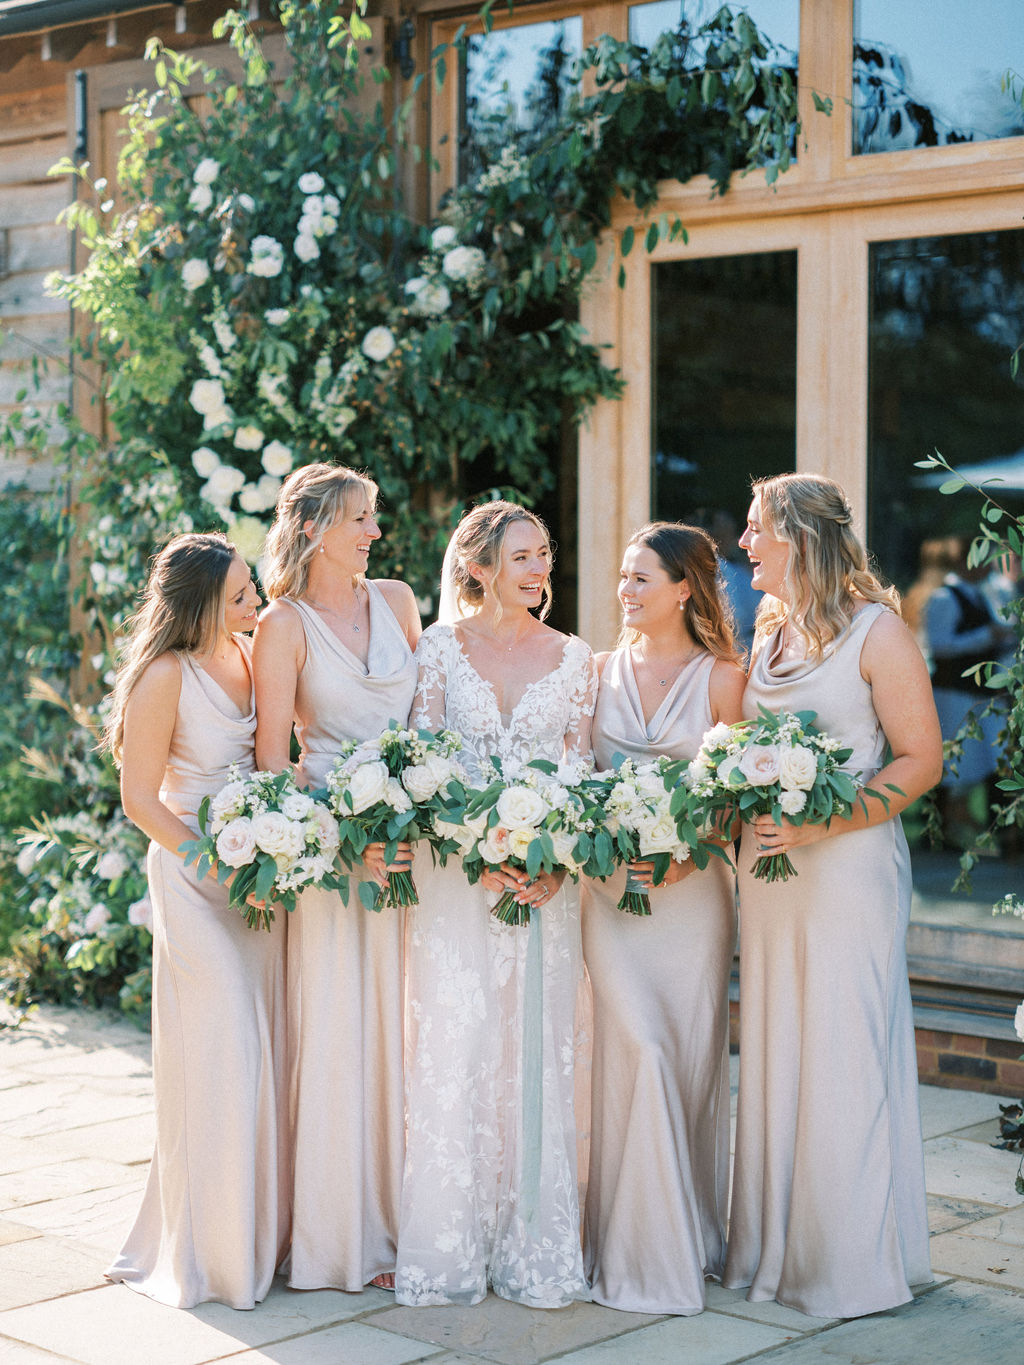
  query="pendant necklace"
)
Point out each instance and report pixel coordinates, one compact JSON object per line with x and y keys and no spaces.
{"x":333,"y":611}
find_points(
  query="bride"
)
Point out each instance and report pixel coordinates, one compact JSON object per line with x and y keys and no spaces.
{"x":489,"y":1194}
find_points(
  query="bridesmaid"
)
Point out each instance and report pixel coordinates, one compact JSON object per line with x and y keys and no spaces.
{"x":659,"y":1160}
{"x":828,"y":1206}
{"x":334,"y":655}
{"x":214,"y":1216}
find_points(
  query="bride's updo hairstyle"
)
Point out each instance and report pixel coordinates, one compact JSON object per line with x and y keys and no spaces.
{"x":827,"y":572}
{"x":479,"y":539}
{"x":689,"y":552}
{"x":182,"y":609}
{"x":316,"y":494}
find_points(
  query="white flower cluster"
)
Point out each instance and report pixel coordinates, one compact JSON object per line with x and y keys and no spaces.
{"x":265,"y":816}
{"x":509,"y":167}
{"x":528,"y":805}
{"x":729,"y":757}
{"x":201,"y":195}
{"x":638,"y":802}
{"x":399,"y":769}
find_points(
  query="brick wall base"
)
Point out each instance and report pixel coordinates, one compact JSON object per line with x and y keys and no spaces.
{"x":957,"y":1061}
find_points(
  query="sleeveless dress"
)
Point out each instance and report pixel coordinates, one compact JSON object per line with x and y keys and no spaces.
{"x":490,"y":1194}
{"x":828,"y":1207}
{"x":345,"y":988}
{"x":214,"y":1217}
{"x":659,"y":1158}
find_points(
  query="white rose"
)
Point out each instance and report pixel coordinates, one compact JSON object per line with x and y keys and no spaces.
{"x":140,"y":913}
{"x":659,"y":836}
{"x":275,"y":834}
{"x":251,"y":499}
{"x":206,"y":172}
{"x":430,"y":298}
{"x":397,"y":797}
{"x":228,"y":801}
{"x":236,"y":843}
{"x":311,"y":183}
{"x":519,"y":841}
{"x":200,"y":198}
{"x":297,"y":805}
{"x":564,"y":845}
{"x":277,"y":458}
{"x":759,"y":764}
{"x":194,"y":273}
{"x":442,"y":237}
{"x":248,"y":437}
{"x":798,"y":767}
{"x":326,"y":828}
{"x":97,"y":918}
{"x":306,"y":247}
{"x":223,"y":483}
{"x":217,"y":417}
{"x":111,"y":864}
{"x":276,"y":316}
{"x":266,"y":257}
{"x":793,"y":801}
{"x":650,"y":783}
{"x":718,"y":736}
{"x":368,"y":785}
{"x":466,"y":263}
{"x":521,"y":806}
{"x":207,"y":395}
{"x":477,"y":825}
{"x":378,"y":343}
{"x":494,"y":849}
{"x":419,"y":782}
{"x":205,"y":461}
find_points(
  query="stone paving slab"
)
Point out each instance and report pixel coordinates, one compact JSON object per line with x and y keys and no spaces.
{"x":129,"y":1141}
{"x":955,"y":1324}
{"x":709,"y":1339}
{"x":43,"y":1268}
{"x":979,"y":1258}
{"x":971,"y":1170}
{"x":735,"y":1303}
{"x":354,"y":1343}
{"x":55,"y":1180}
{"x":947,"y":1215}
{"x":1003,"y":1227}
{"x":945,"y":1111}
{"x":99,"y":1219}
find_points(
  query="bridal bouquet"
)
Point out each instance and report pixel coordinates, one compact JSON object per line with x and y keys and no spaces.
{"x":388,"y":790}
{"x":538,"y":816}
{"x":275,"y":838}
{"x":638,"y":801}
{"x":779,"y":764}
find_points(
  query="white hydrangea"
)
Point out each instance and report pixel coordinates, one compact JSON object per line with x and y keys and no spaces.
{"x":378,"y":343}
{"x":200,"y":198}
{"x":277,"y":458}
{"x":205,"y":461}
{"x":206,"y":172}
{"x":194,"y":273}
{"x":464,"y":263}
{"x":266,"y":257}
{"x":311,"y":183}
{"x":443,"y":237}
{"x":276,"y":316}
{"x":248,"y":437}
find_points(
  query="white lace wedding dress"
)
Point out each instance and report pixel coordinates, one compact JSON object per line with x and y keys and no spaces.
{"x":490,"y":1193}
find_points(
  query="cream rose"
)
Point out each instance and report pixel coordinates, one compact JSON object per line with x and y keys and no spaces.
{"x":520,"y":806}
{"x":494,"y":849}
{"x":792,"y":802}
{"x":519,"y":841}
{"x":759,"y":764}
{"x":369,"y":784}
{"x":419,"y":782}
{"x":798,"y":767}
{"x":275,"y":834}
{"x":659,"y":836}
{"x":297,"y":805}
{"x":236,"y":843}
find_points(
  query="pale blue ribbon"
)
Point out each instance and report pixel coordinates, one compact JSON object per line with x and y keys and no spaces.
{"x":533,"y":1068}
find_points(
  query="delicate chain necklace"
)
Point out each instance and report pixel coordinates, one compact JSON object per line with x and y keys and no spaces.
{"x":333,"y":611}
{"x":673,"y":672}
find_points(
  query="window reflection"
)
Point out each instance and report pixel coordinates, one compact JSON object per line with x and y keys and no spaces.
{"x":777,"y":20}
{"x":515,"y":84}
{"x":927,"y":73}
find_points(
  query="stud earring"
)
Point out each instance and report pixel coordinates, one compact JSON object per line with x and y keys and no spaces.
{"x":321,"y":547}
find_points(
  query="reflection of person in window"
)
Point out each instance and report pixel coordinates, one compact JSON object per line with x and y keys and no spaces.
{"x":963,"y":631}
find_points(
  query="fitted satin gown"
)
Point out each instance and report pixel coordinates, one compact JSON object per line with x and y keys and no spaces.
{"x":345,"y":988}
{"x":214,"y":1217}
{"x":659,"y":1156}
{"x":490,"y":1196}
{"x":828,"y":1207}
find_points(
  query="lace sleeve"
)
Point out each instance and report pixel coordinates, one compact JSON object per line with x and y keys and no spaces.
{"x":428,"y":707}
{"x":582,"y":689}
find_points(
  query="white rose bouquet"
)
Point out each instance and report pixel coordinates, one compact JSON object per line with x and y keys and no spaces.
{"x":639,"y":822}
{"x":779,"y":764}
{"x":270,"y":838}
{"x":539,"y":816}
{"x":391,"y":789}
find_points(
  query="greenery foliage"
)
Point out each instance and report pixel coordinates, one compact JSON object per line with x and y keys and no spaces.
{"x":260,"y":297}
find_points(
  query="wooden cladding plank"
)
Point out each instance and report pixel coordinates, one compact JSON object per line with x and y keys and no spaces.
{"x":42,"y":247}
{"x":34,"y":204}
{"x":43,"y":334}
{"x":27,"y":162}
{"x":54,"y":385}
{"x":23,"y":295}
{"x":33,"y":113}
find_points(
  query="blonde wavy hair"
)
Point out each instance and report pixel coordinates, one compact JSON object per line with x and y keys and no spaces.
{"x":480,"y":538}
{"x":182,"y":609}
{"x":827,"y":572}
{"x":688,"y":552}
{"x":316,"y":494}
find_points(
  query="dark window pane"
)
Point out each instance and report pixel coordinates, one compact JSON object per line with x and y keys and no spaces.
{"x":515,"y":83}
{"x":945,"y":317}
{"x":724,"y":399}
{"x":928,"y":72}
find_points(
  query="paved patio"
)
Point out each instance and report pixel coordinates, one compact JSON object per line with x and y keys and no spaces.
{"x":76,"y":1130}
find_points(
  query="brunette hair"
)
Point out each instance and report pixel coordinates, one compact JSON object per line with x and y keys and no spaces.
{"x":314,"y":493}
{"x":480,"y":538}
{"x":182,"y":609}
{"x":689,"y":552}
{"x":827,"y":572}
